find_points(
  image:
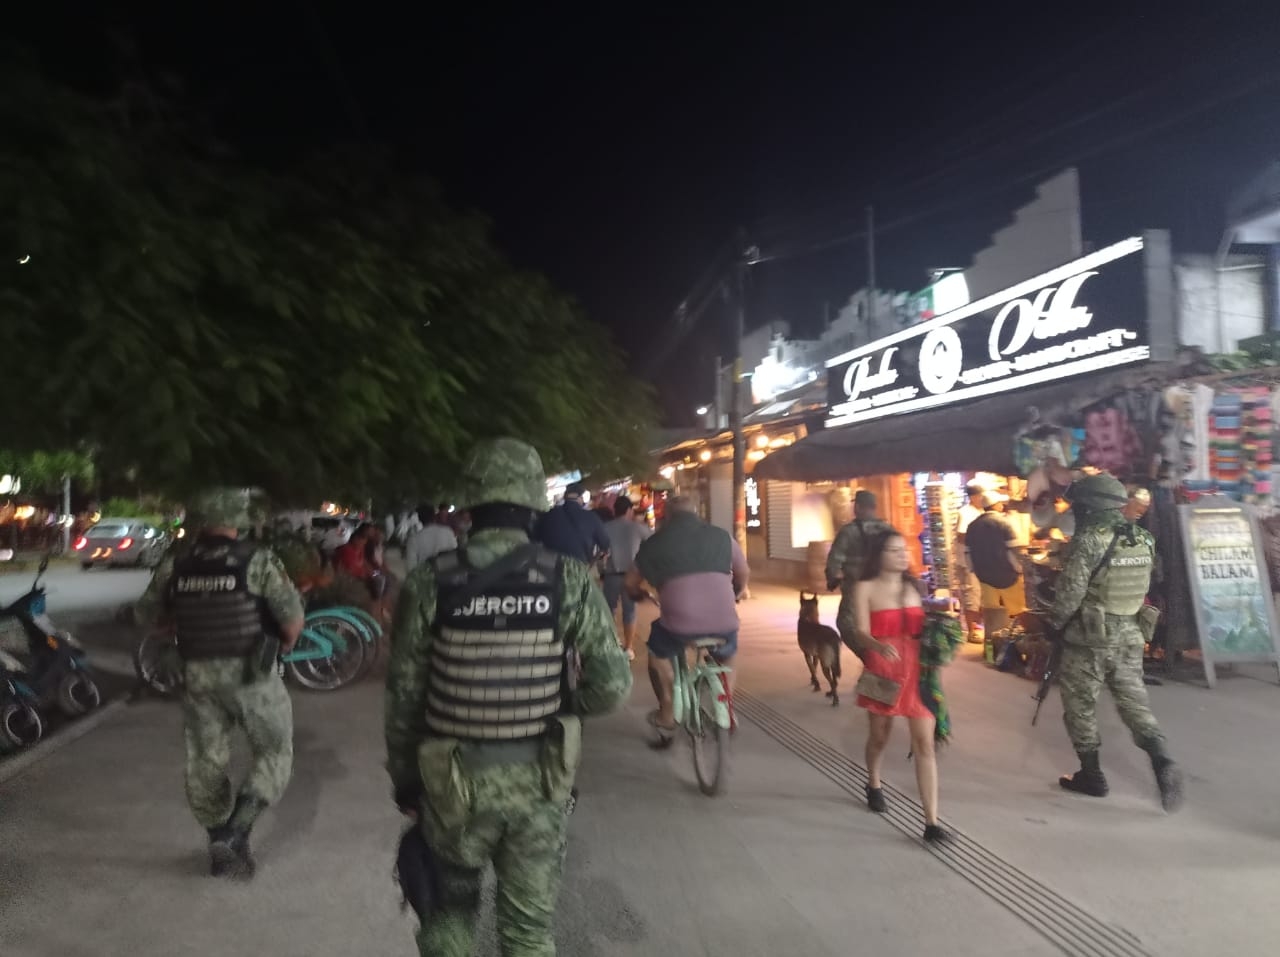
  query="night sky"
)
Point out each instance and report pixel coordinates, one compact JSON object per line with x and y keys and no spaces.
{"x":617,"y":150}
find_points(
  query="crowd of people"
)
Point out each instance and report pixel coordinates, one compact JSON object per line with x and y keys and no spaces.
{"x":505,"y":640}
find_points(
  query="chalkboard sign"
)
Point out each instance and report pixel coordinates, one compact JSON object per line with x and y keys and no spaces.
{"x":1230,"y":585}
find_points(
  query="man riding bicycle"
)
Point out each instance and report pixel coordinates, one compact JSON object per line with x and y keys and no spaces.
{"x":699,"y":571}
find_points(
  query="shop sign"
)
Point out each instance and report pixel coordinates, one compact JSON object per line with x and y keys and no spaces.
{"x":1230,"y":586}
{"x":752,"y":494}
{"x":1082,"y":317}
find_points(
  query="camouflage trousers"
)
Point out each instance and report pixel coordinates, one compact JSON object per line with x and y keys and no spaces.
{"x":513,"y":825}
{"x":215,"y":703}
{"x":1118,"y":665}
{"x":845,"y":622}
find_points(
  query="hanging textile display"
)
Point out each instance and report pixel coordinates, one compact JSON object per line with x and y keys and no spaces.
{"x":1225,"y":466}
{"x":1256,"y":445}
{"x":939,"y":507}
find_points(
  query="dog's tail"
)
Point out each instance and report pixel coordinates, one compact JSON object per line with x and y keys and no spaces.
{"x":835,"y":665}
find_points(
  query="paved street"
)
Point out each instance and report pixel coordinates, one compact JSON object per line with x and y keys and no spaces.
{"x":85,"y":604}
{"x":99,"y":856}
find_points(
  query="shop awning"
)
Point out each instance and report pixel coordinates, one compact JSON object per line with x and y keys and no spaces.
{"x":973,"y":437}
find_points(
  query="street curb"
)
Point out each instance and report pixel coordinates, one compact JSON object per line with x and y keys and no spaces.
{"x":23,"y":760}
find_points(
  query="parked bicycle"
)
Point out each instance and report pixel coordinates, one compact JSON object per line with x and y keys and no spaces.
{"x":337,"y":647}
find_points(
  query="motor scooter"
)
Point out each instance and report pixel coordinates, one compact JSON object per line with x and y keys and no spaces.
{"x":57,"y":667}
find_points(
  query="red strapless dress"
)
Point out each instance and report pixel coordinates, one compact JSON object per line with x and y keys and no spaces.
{"x":895,"y":626}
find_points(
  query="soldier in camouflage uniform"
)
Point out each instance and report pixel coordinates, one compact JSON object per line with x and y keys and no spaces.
{"x":846,"y":558}
{"x":234,"y":609}
{"x":498,"y":649}
{"x":1099,"y":608}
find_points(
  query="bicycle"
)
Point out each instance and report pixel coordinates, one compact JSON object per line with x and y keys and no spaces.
{"x":336,"y":648}
{"x":703,"y":707}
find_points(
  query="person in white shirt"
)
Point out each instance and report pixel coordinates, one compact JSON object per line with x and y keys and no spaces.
{"x":625,"y":537}
{"x":970,"y":589}
{"x":409,"y":523}
{"x":429,"y":541}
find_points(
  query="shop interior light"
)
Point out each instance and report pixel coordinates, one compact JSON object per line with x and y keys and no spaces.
{"x":705,"y":455}
{"x":762,"y":442}
{"x":756,"y":455}
{"x":667,"y":472}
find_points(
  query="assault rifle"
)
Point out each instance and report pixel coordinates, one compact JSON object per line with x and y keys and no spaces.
{"x":1050,"y":672}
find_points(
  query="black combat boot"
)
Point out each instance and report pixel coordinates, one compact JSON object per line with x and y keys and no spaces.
{"x":221,"y":856}
{"x":1089,"y":779}
{"x":238,"y":862}
{"x":1168,"y":775}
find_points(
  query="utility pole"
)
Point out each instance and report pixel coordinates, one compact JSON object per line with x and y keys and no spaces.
{"x":66,"y":513}
{"x":737,"y":401}
{"x":871,"y":275}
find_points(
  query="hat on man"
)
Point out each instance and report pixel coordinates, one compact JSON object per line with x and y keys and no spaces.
{"x":991,"y":499}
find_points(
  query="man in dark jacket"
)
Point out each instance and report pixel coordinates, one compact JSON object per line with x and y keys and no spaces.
{"x":572,"y":530}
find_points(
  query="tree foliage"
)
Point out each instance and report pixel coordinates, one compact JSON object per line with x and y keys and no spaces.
{"x":336,"y":330}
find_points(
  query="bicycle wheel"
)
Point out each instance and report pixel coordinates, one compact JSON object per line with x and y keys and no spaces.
{"x":710,"y":741}
{"x":155,"y":661}
{"x":333,"y":671}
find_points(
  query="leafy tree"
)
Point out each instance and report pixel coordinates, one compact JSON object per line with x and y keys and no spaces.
{"x":335,"y":331}
{"x":42,"y":471}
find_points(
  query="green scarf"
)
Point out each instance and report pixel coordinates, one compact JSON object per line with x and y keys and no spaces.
{"x":941,"y":638}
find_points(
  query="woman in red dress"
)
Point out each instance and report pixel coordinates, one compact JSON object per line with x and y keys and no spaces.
{"x":889,"y":619}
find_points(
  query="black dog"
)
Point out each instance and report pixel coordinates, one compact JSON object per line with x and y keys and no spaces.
{"x":821,"y":646}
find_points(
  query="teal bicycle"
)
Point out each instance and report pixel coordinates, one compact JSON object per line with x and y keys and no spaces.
{"x":703,"y":707}
{"x":337,"y":646}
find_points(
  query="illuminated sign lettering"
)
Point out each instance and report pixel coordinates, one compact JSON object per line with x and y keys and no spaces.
{"x":1082,"y":317}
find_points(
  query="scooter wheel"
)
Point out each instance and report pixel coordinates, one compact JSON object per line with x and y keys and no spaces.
{"x":78,"y":694}
{"x":20,"y":726}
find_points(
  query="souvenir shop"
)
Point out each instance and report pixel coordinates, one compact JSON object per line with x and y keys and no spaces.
{"x":1075,"y":366}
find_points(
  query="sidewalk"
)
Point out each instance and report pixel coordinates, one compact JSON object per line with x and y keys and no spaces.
{"x":98,"y":854}
{"x":1198,"y":883}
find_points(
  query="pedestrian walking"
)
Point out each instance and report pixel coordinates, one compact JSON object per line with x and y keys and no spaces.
{"x":1099,"y":608}
{"x":499,"y":650}
{"x":234,"y":610}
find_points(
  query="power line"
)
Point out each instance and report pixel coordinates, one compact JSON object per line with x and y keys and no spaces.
{"x":1100,"y":149}
{"x":958,"y":164}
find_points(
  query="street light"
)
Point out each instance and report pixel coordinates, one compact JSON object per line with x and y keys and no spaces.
{"x":703,"y":410}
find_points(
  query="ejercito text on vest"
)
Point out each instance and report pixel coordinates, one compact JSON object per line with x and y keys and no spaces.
{"x":497,"y":658}
{"x":216,"y":615}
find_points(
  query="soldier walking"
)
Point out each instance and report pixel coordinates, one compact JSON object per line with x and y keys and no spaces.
{"x":499,"y":649}
{"x":847,"y":556}
{"x":1099,"y":608}
{"x":235,"y":610}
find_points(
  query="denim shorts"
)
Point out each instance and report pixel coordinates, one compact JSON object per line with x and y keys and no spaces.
{"x":666,"y":644}
{"x":615,"y":593}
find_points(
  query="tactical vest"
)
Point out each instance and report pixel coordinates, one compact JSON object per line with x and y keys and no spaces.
{"x":497,"y":658}
{"x":1121,"y":588}
{"x":209,"y":595}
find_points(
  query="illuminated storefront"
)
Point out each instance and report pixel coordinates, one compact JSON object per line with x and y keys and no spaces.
{"x":933,"y":404}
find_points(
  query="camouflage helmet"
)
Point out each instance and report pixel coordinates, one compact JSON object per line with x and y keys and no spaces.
{"x":504,"y":471}
{"x":1099,"y":493}
{"x":221,"y":508}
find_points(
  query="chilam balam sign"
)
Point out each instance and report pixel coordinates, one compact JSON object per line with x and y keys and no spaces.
{"x":1082,"y":317}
